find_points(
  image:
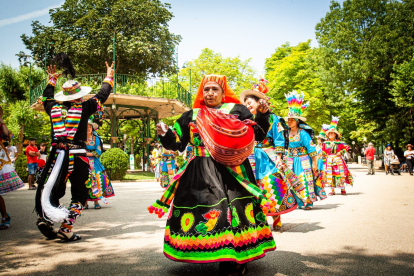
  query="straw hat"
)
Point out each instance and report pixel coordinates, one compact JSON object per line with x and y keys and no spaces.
{"x":72,"y":90}
{"x":259,"y":90}
{"x":94,"y":125}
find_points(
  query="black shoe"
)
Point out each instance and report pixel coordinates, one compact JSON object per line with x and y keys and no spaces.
{"x":372,"y":173}
{"x":368,"y":174}
{"x":46,"y":228}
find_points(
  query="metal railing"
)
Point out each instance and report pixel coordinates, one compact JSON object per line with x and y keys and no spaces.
{"x":126,"y":84}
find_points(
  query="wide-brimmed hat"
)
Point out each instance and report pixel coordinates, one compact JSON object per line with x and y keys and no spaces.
{"x":259,"y":90}
{"x":296,"y":105}
{"x":94,"y":125}
{"x":333,"y":127}
{"x":409,"y":145}
{"x":72,"y":90}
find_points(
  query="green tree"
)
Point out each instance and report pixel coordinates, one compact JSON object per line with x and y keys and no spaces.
{"x":239,"y":73}
{"x":362,"y":43}
{"x":84,"y":29}
{"x":296,"y":68}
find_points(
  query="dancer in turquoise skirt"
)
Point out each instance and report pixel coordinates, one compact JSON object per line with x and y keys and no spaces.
{"x":272,"y":176}
{"x":302,"y":153}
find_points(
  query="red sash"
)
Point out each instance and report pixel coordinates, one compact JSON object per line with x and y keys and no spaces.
{"x":228,"y":140}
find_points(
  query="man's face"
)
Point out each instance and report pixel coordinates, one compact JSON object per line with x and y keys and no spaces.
{"x":32,"y":143}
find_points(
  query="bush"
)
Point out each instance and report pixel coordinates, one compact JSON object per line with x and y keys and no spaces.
{"x":21,"y":167}
{"x":116,"y":163}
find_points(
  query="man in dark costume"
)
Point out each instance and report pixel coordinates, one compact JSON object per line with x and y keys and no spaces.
{"x":67,"y":160}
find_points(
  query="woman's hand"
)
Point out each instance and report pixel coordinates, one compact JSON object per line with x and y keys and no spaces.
{"x":263,"y":106}
{"x":51,"y":71}
{"x":160,"y":129}
{"x":279,"y":161}
{"x":110,"y":72}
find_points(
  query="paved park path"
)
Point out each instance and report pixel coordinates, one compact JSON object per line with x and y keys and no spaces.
{"x":370,"y":231}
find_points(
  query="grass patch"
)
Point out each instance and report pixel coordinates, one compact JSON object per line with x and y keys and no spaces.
{"x":140,"y":176}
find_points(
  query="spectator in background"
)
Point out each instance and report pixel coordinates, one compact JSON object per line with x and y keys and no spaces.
{"x":145,"y":162}
{"x":13,"y":154}
{"x":42,"y":150}
{"x":370,"y":156}
{"x":388,"y":155}
{"x":409,"y":158}
{"x":32,"y":154}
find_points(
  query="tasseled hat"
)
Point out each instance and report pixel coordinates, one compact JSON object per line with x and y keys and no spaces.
{"x":322,"y":133}
{"x":229,"y":95}
{"x":296,"y":105}
{"x":334,"y":127}
{"x":259,"y":90}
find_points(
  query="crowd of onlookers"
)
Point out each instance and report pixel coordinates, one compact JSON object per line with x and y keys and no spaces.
{"x":35,"y":156}
{"x":392,"y":162}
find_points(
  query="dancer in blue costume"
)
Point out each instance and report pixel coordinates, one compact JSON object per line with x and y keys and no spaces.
{"x":167,"y":168}
{"x":321,"y":138}
{"x":273,"y":177}
{"x":302,"y":153}
{"x":99,"y":185}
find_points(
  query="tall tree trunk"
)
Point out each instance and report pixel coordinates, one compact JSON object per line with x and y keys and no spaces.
{"x":20,"y":145}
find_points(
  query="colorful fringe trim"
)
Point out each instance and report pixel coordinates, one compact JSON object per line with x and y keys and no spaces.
{"x":176,"y":244}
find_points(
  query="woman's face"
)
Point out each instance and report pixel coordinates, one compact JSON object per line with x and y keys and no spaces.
{"x":292,"y":123}
{"x":331,"y":136}
{"x":410,"y":148}
{"x":212,"y":94}
{"x":319,"y":141}
{"x":389,"y":148}
{"x":252,"y":105}
{"x":90,"y":129}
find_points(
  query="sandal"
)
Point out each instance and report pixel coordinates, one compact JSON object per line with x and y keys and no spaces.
{"x":65,"y":238}
{"x":277,"y":224}
{"x":46,"y":228}
{"x":32,"y":188}
{"x":97,"y":206}
{"x":331,"y":194}
{"x":308,"y":206}
{"x":5,"y":223}
{"x":343,"y":192}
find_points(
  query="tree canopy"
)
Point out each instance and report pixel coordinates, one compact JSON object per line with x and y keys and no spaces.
{"x":84,"y":29}
{"x":239,"y":73}
{"x":366,"y":48}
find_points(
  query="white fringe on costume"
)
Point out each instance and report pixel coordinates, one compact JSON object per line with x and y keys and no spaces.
{"x":55,"y":214}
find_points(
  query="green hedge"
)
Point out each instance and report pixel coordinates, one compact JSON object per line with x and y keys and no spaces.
{"x":116,"y":163}
{"x":21,"y":167}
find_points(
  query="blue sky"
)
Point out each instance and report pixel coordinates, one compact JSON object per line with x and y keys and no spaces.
{"x":250,"y":29}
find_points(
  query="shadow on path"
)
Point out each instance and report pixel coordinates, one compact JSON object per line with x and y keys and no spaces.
{"x":348,"y":261}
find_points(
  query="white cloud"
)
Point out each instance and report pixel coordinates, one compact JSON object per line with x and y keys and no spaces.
{"x":27,"y":16}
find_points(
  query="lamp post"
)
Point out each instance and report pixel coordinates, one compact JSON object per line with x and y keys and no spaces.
{"x":46,"y":50}
{"x":114,"y":116}
{"x":189,"y":100}
{"x":176,"y":60}
{"x":353,"y":150}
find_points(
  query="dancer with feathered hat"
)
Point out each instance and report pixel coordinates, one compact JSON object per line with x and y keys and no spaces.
{"x":336,"y":173}
{"x":69,"y":116}
{"x":302,"y":153}
{"x":276,"y":180}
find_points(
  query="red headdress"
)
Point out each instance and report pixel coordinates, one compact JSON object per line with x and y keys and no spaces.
{"x":229,"y":95}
